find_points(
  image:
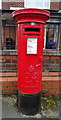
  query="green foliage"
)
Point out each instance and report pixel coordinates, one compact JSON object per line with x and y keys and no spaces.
{"x":50,"y":101}
{"x":6,"y":95}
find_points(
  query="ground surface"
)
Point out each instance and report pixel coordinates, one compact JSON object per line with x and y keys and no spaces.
{"x":48,"y":109}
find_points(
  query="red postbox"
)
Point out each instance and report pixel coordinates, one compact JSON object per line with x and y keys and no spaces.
{"x":31,"y":23}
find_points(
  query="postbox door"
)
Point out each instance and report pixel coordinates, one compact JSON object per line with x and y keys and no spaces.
{"x":30,"y":64}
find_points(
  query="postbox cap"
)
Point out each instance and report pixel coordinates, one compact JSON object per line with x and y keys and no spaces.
{"x":31,"y":15}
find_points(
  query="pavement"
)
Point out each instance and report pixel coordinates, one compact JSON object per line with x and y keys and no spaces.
{"x":0,"y":106}
{"x":9,"y":110}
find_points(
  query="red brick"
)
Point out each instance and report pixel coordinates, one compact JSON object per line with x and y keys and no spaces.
{"x":2,"y":57}
{"x":7,"y":5}
{"x":47,"y":79}
{"x":59,"y":73}
{"x":54,"y":5}
{"x":11,"y":74}
{"x":9,"y":92}
{"x":1,"y":74}
{"x":46,"y":57}
{"x":3,"y":79}
{"x":56,"y":78}
{"x":45,"y":73}
{"x":9,"y":88}
{"x":55,"y":57}
{"x":12,"y":78}
{"x":51,"y":79}
{"x":9,"y":84}
{"x":11,"y":57}
{"x":53,"y":73}
{"x":5,"y":74}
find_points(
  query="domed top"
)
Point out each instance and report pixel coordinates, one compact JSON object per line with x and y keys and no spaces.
{"x":31,"y":15}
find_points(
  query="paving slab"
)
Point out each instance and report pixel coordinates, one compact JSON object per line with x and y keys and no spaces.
{"x":9,"y":110}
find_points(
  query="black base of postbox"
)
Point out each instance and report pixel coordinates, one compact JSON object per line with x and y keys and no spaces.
{"x":28,"y":104}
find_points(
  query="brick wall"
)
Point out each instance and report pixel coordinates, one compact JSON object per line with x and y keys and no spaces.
{"x":52,"y":63}
{"x":7,"y":5}
{"x":60,"y":5}
{"x":51,"y":81}
{"x":55,"y":5}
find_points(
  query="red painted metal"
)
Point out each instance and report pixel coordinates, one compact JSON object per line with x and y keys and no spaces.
{"x":30,"y":64}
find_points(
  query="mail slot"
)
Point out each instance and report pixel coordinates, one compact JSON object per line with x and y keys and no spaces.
{"x":32,"y":29}
{"x":30,"y":23}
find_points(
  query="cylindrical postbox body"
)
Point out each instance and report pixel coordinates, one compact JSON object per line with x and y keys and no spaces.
{"x":30,"y":53}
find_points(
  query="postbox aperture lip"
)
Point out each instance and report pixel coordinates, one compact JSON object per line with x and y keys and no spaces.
{"x":31,"y":11}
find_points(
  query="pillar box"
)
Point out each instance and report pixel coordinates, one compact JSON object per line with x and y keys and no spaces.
{"x":30,"y":23}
